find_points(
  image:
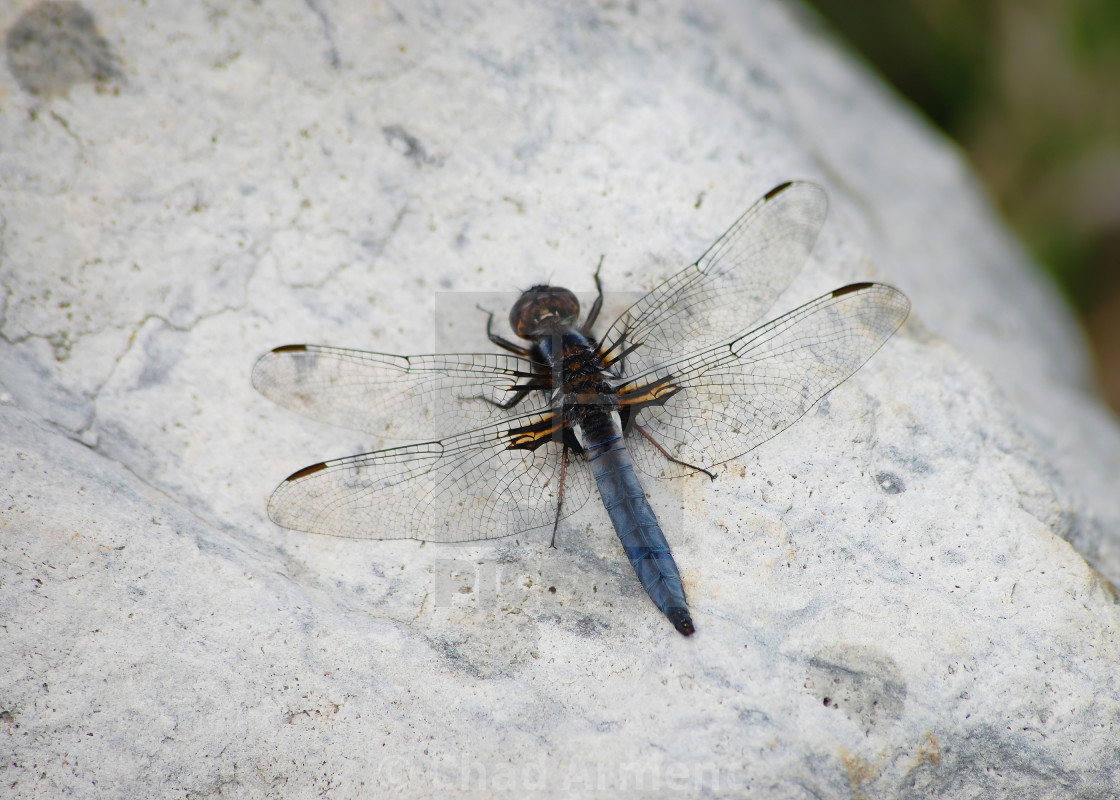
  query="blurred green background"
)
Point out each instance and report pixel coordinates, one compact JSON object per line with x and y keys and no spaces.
{"x":1031,"y":91}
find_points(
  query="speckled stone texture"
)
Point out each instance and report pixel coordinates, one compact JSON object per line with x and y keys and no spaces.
{"x":907,"y":594}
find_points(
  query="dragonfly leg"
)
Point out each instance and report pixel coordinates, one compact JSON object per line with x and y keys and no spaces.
{"x":617,"y":361}
{"x":597,"y":306}
{"x":571,"y":445}
{"x":501,"y":341}
{"x":520,"y":395}
{"x":559,"y":496}
{"x":665,"y":453}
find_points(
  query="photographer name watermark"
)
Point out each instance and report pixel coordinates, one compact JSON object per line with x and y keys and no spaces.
{"x":654,"y":776}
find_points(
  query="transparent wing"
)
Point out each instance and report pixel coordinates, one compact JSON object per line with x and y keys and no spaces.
{"x":395,"y":397}
{"x":731,"y":285}
{"x":735,"y":396}
{"x":462,"y":488}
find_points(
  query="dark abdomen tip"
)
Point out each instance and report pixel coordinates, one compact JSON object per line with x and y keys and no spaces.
{"x":681,"y":620}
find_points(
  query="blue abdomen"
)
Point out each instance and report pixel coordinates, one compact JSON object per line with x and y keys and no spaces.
{"x":634,"y":521}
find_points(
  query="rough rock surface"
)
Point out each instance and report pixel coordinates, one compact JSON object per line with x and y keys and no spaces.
{"x":907,"y":594}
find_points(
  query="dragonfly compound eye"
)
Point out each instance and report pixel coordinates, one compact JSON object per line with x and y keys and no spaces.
{"x":543,"y":309}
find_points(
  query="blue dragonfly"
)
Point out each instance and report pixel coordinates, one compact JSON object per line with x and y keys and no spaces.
{"x":510,"y":442}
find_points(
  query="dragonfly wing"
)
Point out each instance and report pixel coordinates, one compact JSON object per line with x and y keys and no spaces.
{"x":731,"y":285}
{"x":390,"y":396}
{"x":733,"y":397}
{"x":462,"y":488}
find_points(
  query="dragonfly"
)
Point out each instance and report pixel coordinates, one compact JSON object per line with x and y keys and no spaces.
{"x":511,"y":441}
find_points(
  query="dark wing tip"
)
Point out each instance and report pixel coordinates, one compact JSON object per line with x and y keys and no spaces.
{"x":303,"y":473}
{"x":852,"y":287}
{"x":290,"y":348}
{"x":777,"y":190}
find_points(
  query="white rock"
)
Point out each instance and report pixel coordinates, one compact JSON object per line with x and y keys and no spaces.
{"x":904,"y":595}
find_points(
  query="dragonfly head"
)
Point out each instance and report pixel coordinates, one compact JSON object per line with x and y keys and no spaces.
{"x":542,"y":310}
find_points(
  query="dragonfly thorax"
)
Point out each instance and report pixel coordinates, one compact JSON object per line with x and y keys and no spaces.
{"x":579,"y":377}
